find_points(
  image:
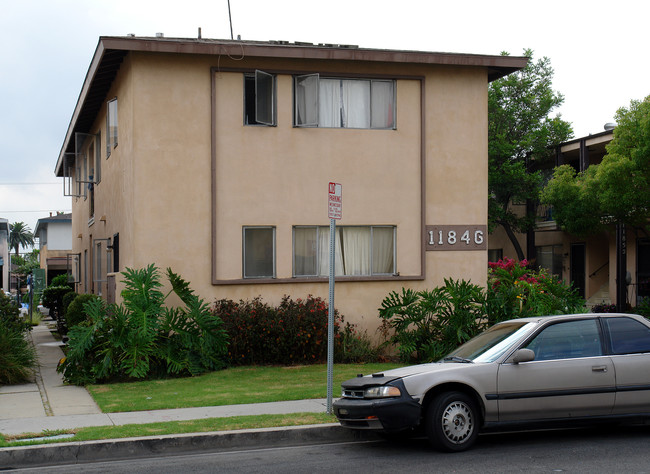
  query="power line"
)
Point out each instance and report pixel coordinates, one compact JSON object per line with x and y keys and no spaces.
{"x":38,"y":210}
{"x":28,"y":184}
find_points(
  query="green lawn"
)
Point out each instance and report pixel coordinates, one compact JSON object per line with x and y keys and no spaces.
{"x":228,"y":387}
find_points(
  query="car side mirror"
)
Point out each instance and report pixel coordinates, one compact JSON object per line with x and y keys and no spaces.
{"x":523,"y":355}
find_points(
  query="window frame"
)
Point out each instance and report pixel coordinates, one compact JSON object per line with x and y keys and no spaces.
{"x":312,"y":84}
{"x":556,"y":325}
{"x":610,"y":335}
{"x":274,"y":253}
{"x":264,"y":87}
{"x":111,"y":121}
{"x":319,"y":228}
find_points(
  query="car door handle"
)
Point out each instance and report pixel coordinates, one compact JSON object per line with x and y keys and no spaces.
{"x":599,"y":368}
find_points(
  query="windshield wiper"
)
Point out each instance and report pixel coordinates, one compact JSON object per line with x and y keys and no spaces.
{"x":457,"y":359}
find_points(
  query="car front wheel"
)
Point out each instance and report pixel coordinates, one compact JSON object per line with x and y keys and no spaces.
{"x":452,"y":422}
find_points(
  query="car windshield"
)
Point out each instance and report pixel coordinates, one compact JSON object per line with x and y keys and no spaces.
{"x":491,"y":344}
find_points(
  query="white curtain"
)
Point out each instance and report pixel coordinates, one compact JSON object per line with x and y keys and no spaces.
{"x":355,"y":103}
{"x":329,"y":113}
{"x":324,"y":252}
{"x":356,"y":250}
{"x":305,"y":251}
{"x":382,"y":250}
{"x":307,"y":100}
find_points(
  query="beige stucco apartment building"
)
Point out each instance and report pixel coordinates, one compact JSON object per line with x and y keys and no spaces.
{"x":214,"y":157}
{"x":54,"y":234}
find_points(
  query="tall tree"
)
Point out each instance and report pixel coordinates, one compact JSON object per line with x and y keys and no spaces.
{"x":520,"y":134}
{"x":615,"y":191}
{"x":20,"y":235}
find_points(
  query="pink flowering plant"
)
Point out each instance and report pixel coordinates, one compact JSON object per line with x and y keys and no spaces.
{"x":515,"y":290}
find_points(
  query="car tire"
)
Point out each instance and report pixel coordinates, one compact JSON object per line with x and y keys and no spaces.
{"x":452,"y":422}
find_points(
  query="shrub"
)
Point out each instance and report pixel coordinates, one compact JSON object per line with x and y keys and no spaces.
{"x":354,"y":347}
{"x":60,"y":280}
{"x":294,"y":332}
{"x":75,"y":312}
{"x":644,"y":307}
{"x":66,"y":300}
{"x":17,"y":354}
{"x":53,"y":298}
{"x":515,"y":291}
{"x":426,"y":325}
{"x":429,"y":324}
{"x":142,"y":338}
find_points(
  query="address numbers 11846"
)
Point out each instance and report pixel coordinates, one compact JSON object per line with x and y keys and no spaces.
{"x":456,"y":237}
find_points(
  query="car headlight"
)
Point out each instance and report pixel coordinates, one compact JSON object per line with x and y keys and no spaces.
{"x":382,"y":391}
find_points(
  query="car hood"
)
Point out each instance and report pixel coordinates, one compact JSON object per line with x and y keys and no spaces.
{"x":381,"y":378}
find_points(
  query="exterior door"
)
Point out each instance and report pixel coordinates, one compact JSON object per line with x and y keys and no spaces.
{"x":570,"y":376}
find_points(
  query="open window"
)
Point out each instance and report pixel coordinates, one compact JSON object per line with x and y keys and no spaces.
{"x":111,"y":126}
{"x":259,"y":99}
{"x":88,"y":152}
{"x":70,"y":186}
{"x":101,"y":260}
{"x":73,"y":266}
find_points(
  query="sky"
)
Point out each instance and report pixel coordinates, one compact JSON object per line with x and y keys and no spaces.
{"x":598,"y":50}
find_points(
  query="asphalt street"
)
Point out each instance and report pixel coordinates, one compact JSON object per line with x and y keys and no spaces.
{"x":620,"y":449}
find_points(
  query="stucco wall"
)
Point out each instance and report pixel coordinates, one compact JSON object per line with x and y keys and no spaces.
{"x":156,"y":188}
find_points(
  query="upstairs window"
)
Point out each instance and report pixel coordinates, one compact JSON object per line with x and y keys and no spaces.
{"x":344,"y":103}
{"x":360,"y":250}
{"x":259,"y":99}
{"x":111,"y":126}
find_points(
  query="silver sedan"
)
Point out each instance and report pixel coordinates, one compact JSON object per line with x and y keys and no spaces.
{"x":521,"y":373}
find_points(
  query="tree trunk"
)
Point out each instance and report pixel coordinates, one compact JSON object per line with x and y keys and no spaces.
{"x":513,"y":239}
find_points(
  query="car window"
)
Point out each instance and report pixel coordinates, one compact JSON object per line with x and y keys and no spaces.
{"x":567,"y":340}
{"x":628,"y":336}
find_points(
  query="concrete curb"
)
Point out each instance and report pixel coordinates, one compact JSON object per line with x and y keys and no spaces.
{"x":128,"y":448}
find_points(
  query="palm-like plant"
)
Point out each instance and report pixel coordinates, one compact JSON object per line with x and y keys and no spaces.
{"x":20,"y":235}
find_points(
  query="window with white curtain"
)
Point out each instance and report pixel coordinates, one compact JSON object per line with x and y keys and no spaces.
{"x":344,"y":103}
{"x":360,"y":250}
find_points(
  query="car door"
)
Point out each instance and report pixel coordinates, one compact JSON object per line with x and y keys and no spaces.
{"x":569,"y":376}
{"x":629,"y":346}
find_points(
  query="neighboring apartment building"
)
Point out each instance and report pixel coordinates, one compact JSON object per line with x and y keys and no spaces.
{"x":589,"y":263}
{"x":213,"y":158}
{"x":5,"y":259}
{"x":54,"y":236}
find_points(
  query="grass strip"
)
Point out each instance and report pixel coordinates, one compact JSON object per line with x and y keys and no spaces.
{"x":173,"y":427}
{"x":233,"y":386}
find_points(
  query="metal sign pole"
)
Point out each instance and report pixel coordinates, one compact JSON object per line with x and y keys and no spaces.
{"x":330,"y":319}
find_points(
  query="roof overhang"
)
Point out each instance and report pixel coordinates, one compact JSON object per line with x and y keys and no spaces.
{"x":110,"y":53}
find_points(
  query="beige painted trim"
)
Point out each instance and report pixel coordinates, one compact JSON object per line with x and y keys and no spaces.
{"x":213,"y":187}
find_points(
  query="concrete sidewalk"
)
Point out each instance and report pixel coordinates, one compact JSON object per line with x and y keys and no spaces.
{"x":47,"y":404}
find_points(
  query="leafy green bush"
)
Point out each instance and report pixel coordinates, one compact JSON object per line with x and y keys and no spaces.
{"x":53,"y":298}
{"x":429,"y":324}
{"x":141,"y":338}
{"x":75,"y":313}
{"x":426,"y":325}
{"x":66,"y":300}
{"x":515,"y":291}
{"x":644,"y":307}
{"x":294,"y":332}
{"x":17,"y":354}
{"x":60,"y":280}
